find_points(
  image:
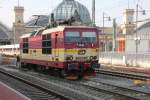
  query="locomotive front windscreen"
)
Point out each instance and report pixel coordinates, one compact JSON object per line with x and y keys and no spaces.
{"x":72,"y":36}
{"x":89,"y":37}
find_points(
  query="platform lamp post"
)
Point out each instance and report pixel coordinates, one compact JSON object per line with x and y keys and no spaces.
{"x":105,"y":16}
{"x":137,"y":39}
{"x":114,"y":36}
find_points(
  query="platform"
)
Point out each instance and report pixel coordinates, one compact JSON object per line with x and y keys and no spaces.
{"x":7,"y":93}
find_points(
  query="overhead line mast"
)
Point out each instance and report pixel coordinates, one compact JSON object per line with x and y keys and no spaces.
{"x":18,"y":3}
{"x":93,"y":12}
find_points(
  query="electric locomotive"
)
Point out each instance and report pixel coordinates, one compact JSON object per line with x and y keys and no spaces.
{"x":72,"y":50}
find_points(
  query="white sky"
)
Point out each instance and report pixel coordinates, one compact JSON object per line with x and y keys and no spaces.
{"x":113,"y":8}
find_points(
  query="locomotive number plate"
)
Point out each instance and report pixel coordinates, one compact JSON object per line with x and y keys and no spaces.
{"x":81,"y":58}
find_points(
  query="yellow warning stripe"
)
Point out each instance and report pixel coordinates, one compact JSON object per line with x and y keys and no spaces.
{"x":65,"y":50}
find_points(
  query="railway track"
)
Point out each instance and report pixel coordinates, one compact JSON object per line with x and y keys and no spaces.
{"x":95,"y":88}
{"x":124,"y":74}
{"x":33,"y":91}
{"x":72,"y":89}
{"x":118,"y":92}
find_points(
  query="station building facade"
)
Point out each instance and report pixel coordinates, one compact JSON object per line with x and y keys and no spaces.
{"x":142,"y":38}
{"x":136,"y":39}
{"x":125,"y":35}
{"x":64,"y":11}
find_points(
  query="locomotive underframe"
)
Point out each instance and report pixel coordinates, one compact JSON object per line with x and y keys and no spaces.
{"x":69,"y":69}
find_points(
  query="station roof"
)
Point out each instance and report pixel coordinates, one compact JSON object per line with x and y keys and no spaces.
{"x":69,"y":8}
{"x":64,"y":11}
{"x":38,"y":20}
{"x":4,"y":32}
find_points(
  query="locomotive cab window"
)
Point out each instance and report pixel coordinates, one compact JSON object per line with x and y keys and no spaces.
{"x":72,"y":36}
{"x":89,"y":37}
{"x":46,"y":44}
{"x":25,"y":45}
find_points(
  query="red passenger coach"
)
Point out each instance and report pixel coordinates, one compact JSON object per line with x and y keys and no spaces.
{"x":71,"y":50}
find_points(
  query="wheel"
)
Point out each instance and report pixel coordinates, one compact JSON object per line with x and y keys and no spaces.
{"x":80,"y":76}
{"x":62,"y":73}
{"x":39,"y":68}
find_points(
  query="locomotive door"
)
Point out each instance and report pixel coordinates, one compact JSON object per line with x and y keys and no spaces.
{"x":56,"y":46}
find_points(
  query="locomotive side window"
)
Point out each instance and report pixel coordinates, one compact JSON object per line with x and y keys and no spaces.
{"x":25,"y":45}
{"x":89,"y":36}
{"x":46,"y":44}
{"x":72,"y":36}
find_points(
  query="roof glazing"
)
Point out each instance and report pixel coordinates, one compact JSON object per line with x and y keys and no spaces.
{"x":69,"y":8}
{"x":4,"y":31}
{"x":64,"y":11}
{"x":38,"y":20}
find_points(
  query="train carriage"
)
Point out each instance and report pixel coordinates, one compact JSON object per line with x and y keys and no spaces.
{"x":10,"y":50}
{"x":73,"y":50}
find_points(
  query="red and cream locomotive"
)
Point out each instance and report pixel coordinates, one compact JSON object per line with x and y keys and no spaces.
{"x":72,"y":50}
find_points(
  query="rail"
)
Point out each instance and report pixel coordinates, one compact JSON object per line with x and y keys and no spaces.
{"x":117,"y":91}
{"x":62,"y":97}
{"x":124,"y":74}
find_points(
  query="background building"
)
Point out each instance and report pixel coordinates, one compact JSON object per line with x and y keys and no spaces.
{"x":71,"y":8}
{"x":64,"y":11}
{"x":143,"y":35}
{"x":125,"y":34}
{"x":106,"y":39}
{"x":20,"y":27}
{"x":128,"y":26}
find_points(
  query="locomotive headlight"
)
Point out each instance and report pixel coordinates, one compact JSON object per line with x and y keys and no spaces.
{"x":91,"y":57}
{"x":69,"y":58}
{"x":81,"y":52}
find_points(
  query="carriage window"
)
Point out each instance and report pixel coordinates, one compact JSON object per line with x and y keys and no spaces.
{"x":25,"y":40}
{"x":72,"y":36}
{"x":89,"y":36}
{"x":25,"y":45}
{"x":48,"y":37}
{"x":25,"y":50}
{"x":46,"y":44}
